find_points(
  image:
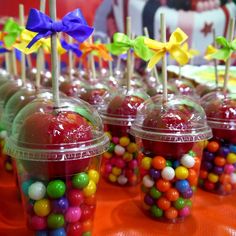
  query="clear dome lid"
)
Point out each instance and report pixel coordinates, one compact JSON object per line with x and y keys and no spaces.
{"x":220,"y":108}
{"x":120,"y":107}
{"x":179,"y":119}
{"x":43,"y":132}
{"x":18,"y":100}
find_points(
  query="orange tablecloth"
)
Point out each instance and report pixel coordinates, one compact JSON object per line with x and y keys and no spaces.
{"x":119,"y":214}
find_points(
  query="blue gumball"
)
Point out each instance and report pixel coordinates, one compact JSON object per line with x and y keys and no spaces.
{"x":41,"y":233}
{"x":58,"y":232}
{"x":25,"y":186}
{"x":182,"y":185}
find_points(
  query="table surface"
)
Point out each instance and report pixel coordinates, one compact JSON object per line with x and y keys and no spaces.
{"x":119,"y":213}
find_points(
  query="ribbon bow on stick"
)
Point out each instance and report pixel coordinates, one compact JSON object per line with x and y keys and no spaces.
{"x":72,"y":24}
{"x":122,"y":43}
{"x":98,"y":49}
{"x":226,"y":50}
{"x":74,"y":47}
{"x":26,"y":37}
{"x":210,"y":50}
{"x":190,"y":52}
{"x":11,"y":31}
{"x":173,"y":47}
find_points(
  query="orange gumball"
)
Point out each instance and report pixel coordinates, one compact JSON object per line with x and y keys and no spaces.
{"x":213,"y":146}
{"x":219,"y":161}
{"x":163,"y":185}
{"x":159,"y":162}
{"x":171,"y":213}
{"x":197,"y":164}
{"x":87,"y":225}
{"x":227,"y":187}
{"x":163,"y":203}
{"x":172,"y":194}
{"x":225,"y":178}
{"x":192,"y":177}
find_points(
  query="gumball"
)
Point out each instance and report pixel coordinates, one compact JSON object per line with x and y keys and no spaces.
{"x":58,"y":232}
{"x":184,"y":212}
{"x":163,"y":203}
{"x":93,"y":175}
{"x":146,"y":163}
{"x":149,"y":200}
{"x":229,"y":168}
{"x":187,"y":161}
{"x":73,"y":214}
{"x":208,"y":156}
{"x":213,"y":146}
{"x":219,"y":161}
{"x":181,"y":172}
{"x":218,"y":170}
{"x":90,"y":189}
{"x":74,"y":229}
{"x":60,"y":205}
{"x":37,"y":190}
{"x":122,"y":180}
{"x":172,"y":194}
{"x":56,"y":189}
{"x":42,"y":207}
{"x":188,"y":193}
{"x":132,"y":147}
{"x":55,"y":221}
{"x":155,"y":174}
{"x":87,"y":234}
{"x":154,"y":193}
{"x":171,"y":213}
{"x":168,"y":163}
{"x":232,"y":148}
{"x":147,"y":181}
{"x":133,"y":164}
{"x":107,"y":155}
{"x":127,"y":156}
{"x":25,"y":186}
{"x":119,"y":150}
{"x":176,"y":163}
{"x":37,"y":223}
{"x":112,"y":178}
{"x":209,"y":185}
{"x":224,"y":151}
{"x":91,"y":200}
{"x":80,"y":180}
{"x":86,"y":213}
{"x":124,"y":141}
{"x":231,"y":158}
{"x":119,"y":162}
{"x":116,"y":171}
{"x":159,"y":162}
{"x":156,"y":211}
{"x":111,"y":147}
{"x":75,"y":197}
{"x":233,"y":178}
{"x":192,"y":177}
{"x":115,"y":140}
{"x":163,"y":185}
{"x":182,"y":185}
{"x":41,"y":233}
{"x":168,"y":173}
{"x":179,"y":203}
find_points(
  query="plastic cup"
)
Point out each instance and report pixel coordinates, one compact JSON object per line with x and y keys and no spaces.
{"x":170,"y":136}
{"x":120,"y":162}
{"x":57,"y":152}
{"x":218,"y":168}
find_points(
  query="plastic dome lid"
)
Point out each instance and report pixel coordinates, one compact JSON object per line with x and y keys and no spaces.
{"x":179,"y":119}
{"x":220,"y":108}
{"x":120,"y":107}
{"x":17,"y":101}
{"x":43,"y":132}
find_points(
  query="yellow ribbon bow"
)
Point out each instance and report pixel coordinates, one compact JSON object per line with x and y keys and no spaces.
{"x":26,"y":36}
{"x":173,"y":47}
{"x":191,"y":52}
{"x":210,"y":50}
{"x":98,"y":50}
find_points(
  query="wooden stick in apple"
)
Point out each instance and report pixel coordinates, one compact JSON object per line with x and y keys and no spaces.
{"x":70,"y":59}
{"x":22,"y":23}
{"x":215,"y":61}
{"x":110,"y":62}
{"x":227,"y":65}
{"x":7,"y":61}
{"x":40,"y":55}
{"x":92,"y":63}
{"x":128,"y":32}
{"x":164,"y":59}
{"x":54,"y":57}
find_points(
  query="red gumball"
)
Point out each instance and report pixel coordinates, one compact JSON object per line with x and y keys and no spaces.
{"x":74,"y":229}
{"x":87,"y":212}
{"x":75,"y":197}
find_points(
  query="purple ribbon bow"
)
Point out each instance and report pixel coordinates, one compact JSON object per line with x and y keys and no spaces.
{"x":74,"y":47}
{"x":72,"y":24}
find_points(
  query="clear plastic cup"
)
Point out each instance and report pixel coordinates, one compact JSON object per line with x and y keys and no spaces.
{"x":120,"y":162}
{"x":170,"y":136}
{"x":57,"y":152}
{"x":218,"y":168}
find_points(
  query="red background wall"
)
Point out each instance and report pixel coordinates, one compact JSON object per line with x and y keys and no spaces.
{"x":10,"y":7}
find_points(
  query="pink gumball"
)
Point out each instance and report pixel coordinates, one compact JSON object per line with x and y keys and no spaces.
{"x":38,"y":223}
{"x":73,"y":214}
{"x":184,"y":212}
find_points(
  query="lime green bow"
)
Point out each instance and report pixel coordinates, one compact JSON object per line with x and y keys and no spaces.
{"x":122,"y":43}
{"x":11,"y":31}
{"x":226,"y":50}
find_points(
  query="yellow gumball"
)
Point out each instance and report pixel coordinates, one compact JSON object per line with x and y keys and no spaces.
{"x":127,"y":156}
{"x":181,"y":172}
{"x":231,"y":158}
{"x":124,"y":141}
{"x":112,"y":178}
{"x":116,"y":171}
{"x":213,"y":177}
{"x":93,"y":175}
{"x":107,"y":155}
{"x":146,"y":163}
{"x":132,"y":147}
{"x":90,"y":189}
{"x":42,"y":207}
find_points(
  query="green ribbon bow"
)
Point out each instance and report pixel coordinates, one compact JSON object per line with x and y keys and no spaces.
{"x":226,"y":50}
{"x":11,"y":31}
{"x":122,"y":43}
